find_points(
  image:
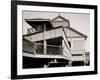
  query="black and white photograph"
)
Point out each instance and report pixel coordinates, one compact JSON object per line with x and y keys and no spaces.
{"x":53,"y":39}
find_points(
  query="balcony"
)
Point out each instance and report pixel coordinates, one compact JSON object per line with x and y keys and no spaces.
{"x":48,"y":35}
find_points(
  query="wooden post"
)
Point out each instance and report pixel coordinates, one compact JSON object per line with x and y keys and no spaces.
{"x":45,"y":66}
{"x":70,"y":63}
{"x":45,"y":47}
{"x":84,"y":52}
{"x":45,"y":43}
{"x":62,"y":46}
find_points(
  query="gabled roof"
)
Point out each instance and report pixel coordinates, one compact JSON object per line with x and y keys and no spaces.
{"x":48,"y":21}
{"x":77,"y":32}
{"x":59,"y":16}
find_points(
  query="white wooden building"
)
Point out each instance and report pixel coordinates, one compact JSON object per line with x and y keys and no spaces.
{"x":52,"y":43}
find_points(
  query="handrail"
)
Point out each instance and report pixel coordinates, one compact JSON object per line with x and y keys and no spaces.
{"x":67,"y":46}
{"x":67,"y":41}
{"x":54,"y":50}
{"x":65,"y":33}
{"x":66,"y":52}
{"x":47,"y":45}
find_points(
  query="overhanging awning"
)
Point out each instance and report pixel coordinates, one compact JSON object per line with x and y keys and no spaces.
{"x":39,"y":21}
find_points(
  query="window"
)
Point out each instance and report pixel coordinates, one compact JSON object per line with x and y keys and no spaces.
{"x":76,"y":54}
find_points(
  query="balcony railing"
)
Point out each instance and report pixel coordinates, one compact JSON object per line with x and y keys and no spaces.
{"x":54,"y":50}
{"x":37,"y":48}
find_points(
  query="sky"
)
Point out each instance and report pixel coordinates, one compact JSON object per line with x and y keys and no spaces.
{"x":78,"y":21}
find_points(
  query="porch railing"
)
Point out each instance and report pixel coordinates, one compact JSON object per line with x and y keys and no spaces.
{"x":54,"y":50}
{"x":37,"y":48}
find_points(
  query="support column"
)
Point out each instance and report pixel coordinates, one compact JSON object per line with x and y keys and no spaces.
{"x":62,"y":46}
{"x":45,"y":47}
{"x":55,"y":60}
{"x":70,"y":63}
{"x":45,"y":43}
{"x":84,"y":54}
{"x":45,"y":66}
{"x":84,"y":62}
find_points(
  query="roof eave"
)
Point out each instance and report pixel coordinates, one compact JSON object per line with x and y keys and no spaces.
{"x":78,"y":32}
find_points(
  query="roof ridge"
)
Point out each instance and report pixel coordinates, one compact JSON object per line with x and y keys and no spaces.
{"x":60,"y":17}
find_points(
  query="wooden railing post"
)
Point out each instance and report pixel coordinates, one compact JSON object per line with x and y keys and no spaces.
{"x":70,"y":63}
{"x":45,"y":47}
{"x":45,"y":43}
{"x":63,"y":47}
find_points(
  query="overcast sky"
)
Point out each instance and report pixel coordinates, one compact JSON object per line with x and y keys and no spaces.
{"x":80,"y":22}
